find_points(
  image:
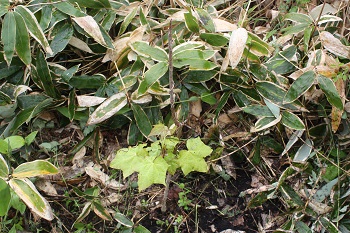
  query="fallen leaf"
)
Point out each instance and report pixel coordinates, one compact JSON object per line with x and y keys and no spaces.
{"x":236,"y":46}
{"x":336,"y":112}
{"x":333,"y":45}
{"x":103,"y":178}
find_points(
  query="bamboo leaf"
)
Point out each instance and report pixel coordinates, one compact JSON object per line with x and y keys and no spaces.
{"x":34,"y":27}
{"x":8,"y":36}
{"x":25,"y":189}
{"x":152,"y":75}
{"x":22,"y":40}
{"x":108,"y":108}
{"x":34,"y":168}
{"x":4,"y":169}
{"x":142,"y":121}
{"x":143,"y":49}
{"x":329,"y":89}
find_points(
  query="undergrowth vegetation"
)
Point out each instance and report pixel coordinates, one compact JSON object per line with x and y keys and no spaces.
{"x":125,"y":99}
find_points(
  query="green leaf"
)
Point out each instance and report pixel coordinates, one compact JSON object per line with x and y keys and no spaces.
{"x":122,"y":219}
{"x":15,"y":142}
{"x":329,"y":89}
{"x":87,"y":82}
{"x":191,"y":162}
{"x":152,"y":171}
{"x":127,"y":20}
{"x":298,"y":18}
{"x":186,"y":46}
{"x":282,"y":62}
{"x":22,"y":45}
{"x":271,"y":92}
{"x":206,"y":20}
{"x":299,"y":86}
{"x":69,"y":9}
{"x":4,"y":5}
{"x":214,"y":39}
{"x":302,"y":227}
{"x":292,"y":121}
{"x":5,"y":195}
{"x":155,"y":53}
{"x":325,"y":191}
{"x":142,"y":121}
{"x":195,"y":64}
{"x":108,"y":108}
{"x":30,"y":138}
{"x":25,"y":189}
{"x":44,"y":75}
{"x":84,"y":212}
{"x":61,"y":39}
{"x":330,"y":227}
{"x":95,"y":4}
{"x":34,"y":168}
{"x":195,"y":76}
{"x":46,"y":16}
{"x":101,"y":211}
{"x":264,"y":123}
{"x":258,"y":110}
{"x":152,"y":75}
{"x":8,"y":36}
{"x":129,"y":159}
{"x":4,"y":169}
{"x":197,"y":147}
{"x":303,"y":152}
{"x":193,"y":54}
{"x":141,"y":229}
{"x":191,"y":22}
{"x":34,"y":27}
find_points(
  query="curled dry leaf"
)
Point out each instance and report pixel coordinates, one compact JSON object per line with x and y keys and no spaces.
{"x":236,"y":46}
{"x":334,"y":45}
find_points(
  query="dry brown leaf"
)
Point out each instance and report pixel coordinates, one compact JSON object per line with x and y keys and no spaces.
{"x":89,"y":101}
{"x":236,"y":46}
{"x":196,"y":108}
{"x":46,"y":187}
{"x":90,"y":26}
{"x":102,"y":178}
{"x":223,"y":25}
{"x":333,"y":45}
{"x":80,"y":44}
{"x":336,"y":112}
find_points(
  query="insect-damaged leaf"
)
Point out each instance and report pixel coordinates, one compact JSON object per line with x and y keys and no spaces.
{"x":34,"y":27}
{"x":25,"y":189}
{"x":8,"y":36}
{"x":108,"y":108}
{"x":300,"y":86}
